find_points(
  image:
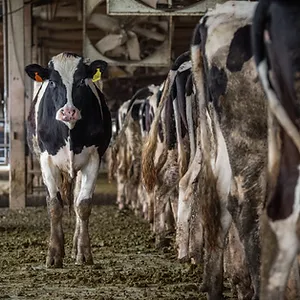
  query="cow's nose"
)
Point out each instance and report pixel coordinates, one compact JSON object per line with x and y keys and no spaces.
{"x":68,"y":114}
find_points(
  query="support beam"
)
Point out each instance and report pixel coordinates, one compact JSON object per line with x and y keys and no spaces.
{"x":16,"y":93}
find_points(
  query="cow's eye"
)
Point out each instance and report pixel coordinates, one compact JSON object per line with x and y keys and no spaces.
{"x":52,"y":84}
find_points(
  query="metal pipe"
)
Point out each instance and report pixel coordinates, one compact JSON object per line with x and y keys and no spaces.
{"x":5,"y":76}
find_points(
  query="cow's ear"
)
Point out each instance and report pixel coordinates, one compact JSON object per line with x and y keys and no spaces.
{"x":96,"y":69}
{"x":37,"y":73}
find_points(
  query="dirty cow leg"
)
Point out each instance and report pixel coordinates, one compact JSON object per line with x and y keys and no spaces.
{"x":278,"y":256}
{"x":120,"y":191}
{"x":77,"y":224}
{"x":51,"y":177}
{"x":183,"y":220}
{"x":185,"y":198}
{"x":159,"y":222}
{"x":82,"y":206}
{"x":213,"y":266}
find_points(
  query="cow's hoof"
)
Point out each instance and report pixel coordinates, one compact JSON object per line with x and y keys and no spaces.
{"x":215,"y":296}
{"x":203,"y":288}
{"x":55,"y":257}
{"x":84,"y":259}
{"x":54,"y":262}
{"x":161,"y":242}
{"x":184,"y":259}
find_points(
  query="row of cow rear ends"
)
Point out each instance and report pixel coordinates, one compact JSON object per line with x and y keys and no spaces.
{"x":213,"y":153}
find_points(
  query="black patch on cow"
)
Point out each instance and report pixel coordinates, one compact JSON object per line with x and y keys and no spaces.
{"x":97,"y":64}
{"x":58,"y":195}
{"x":181,"y":80}
{"x":32,"y":69}
{"x":240,"y":49}
{"x":196,"y":38}
{"x":135,"y":111}
{"x":92,"y":129}
{"x":189,"y":85}
{"x":52,"y":134}
{"x":170,"y":124}
{"x":158,"y":97}
{"x":260,"y":20}
{"x":142,"y":114}
{"x":148,"y":117}
{"x":180,"y":60}
{"x":142,"y":93}
{"x":280,"y":205}
{"x":217,"y":84}
{"x":160,"y":132}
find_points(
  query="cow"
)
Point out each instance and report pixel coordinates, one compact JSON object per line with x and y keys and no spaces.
{"x":276,"y":48}
{"x":126,"y":150}
{"x":231,"y":148}
{"x":69,"y":130}
{"x":167,"y":149}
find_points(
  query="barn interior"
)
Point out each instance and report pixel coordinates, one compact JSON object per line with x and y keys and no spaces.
{"x":138,"y":38}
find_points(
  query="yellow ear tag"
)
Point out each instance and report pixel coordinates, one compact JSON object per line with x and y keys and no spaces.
{"x":37,"y":77}
{"x":97,"y":75}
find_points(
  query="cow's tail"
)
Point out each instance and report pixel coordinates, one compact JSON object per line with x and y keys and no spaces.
{"x":210,"y":204}
{"x":112,"y":162}
{"x":148,"y":167}
{"x":67,"y":191}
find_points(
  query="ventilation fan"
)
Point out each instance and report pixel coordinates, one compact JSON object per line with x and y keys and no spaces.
{"x":126,"y":40}
{"x":169,"y":4}
{"x":160,"y":7}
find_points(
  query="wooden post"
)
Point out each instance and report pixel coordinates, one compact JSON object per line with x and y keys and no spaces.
{"x":28,"y":87}
{"x":16,"y":101}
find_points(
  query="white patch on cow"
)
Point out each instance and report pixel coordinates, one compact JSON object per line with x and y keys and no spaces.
{"x":51,"y":174}
{"x":184,"y":204}
{"x":288,"y":244}
{"x":40,"y":95}
{"x":122,"y":113}
{"x":223,"y":173}
{"x":185,"y":66}
{"x":38,"y":102}
{"x":180,"y":147}
{"x":221,"y":26}
{"x":66,"y":66}
{"x":89,"y":172}
{"x":69,"y":162}
{"x":234,"y":9}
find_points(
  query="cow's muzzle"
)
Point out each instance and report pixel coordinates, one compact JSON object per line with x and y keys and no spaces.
{"x":69,"y":114}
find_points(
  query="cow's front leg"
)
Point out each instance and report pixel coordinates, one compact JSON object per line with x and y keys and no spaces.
{"x":52,"y":178}
{"x":82,"y":205}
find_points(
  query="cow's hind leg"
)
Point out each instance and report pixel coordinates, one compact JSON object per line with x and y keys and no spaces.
{"x":52,"y":178}
{"x":213,"y":266}
{"x":279,"y":251}
{"x":82,"y":206}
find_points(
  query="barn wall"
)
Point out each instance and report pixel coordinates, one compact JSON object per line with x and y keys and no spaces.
{"x":64,"y":33}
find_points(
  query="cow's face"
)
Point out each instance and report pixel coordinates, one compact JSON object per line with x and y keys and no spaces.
{"x":67,"y":88}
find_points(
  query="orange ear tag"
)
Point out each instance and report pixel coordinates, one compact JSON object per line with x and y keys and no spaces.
{"x":37,"y":77}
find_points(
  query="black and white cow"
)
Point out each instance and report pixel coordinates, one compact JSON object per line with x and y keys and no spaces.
{"x":69,"y":129}
{"x":231,"y":149}
{"x":276,"y":46}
